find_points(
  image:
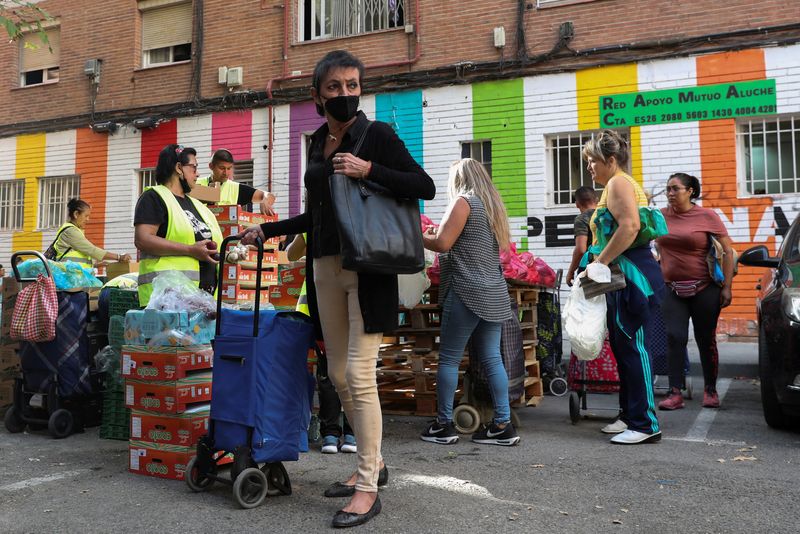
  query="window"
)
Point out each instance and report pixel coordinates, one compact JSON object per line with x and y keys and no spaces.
{"x":166,"y":32}
{"x":243,"y":174}
{"x":54,"y":193}
{"x":770,"y":155}
{"x":480,"y":151}
{"x":566,"y":168}
{"x":38,"y":62}
{"x":321,"y":19}
{"x":12,"y":204}
{"x":147,"y":179}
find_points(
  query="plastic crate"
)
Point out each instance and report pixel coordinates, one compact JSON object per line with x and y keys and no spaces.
{"x":116,"y":331}
{"x":122,"y":300}
{"x":118,"y":432}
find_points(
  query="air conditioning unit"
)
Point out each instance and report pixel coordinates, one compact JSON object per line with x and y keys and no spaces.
{"x":92,"y":67}
{"x":235,"y":76}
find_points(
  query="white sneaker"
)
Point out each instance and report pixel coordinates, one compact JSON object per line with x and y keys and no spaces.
{"x":615,"y":428}
{"x":330,"y":445}
{"x":634,"y":437}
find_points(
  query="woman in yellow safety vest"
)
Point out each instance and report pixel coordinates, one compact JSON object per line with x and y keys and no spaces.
{"x":173,"y":231}
{"x":71,"y":244}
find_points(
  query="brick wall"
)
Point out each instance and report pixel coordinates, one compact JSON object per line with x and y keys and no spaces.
{"x":250,"y":34}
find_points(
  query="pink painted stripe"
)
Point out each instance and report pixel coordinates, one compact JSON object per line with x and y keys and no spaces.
{"x":233,"y":130}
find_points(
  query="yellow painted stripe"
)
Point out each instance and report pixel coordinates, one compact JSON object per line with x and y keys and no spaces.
{"x":29,"y":166}
{"x":608,"y":80}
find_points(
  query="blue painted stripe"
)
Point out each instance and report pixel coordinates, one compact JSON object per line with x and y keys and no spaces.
{"x":648,"y":379}
{"x":403,"y":111}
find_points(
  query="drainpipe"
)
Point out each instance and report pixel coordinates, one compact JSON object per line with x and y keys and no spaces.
{"x":285,"y":77}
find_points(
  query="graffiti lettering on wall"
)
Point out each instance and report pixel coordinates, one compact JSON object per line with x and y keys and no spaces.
{"x":557,"y":230}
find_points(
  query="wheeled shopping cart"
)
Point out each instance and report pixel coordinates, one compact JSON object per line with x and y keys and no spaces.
{"x":58,"y":388}
{"x":260,"y":400}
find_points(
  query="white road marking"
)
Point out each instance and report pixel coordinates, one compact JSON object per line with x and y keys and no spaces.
{"x":705,"y":418}
{"x":31,"y":482}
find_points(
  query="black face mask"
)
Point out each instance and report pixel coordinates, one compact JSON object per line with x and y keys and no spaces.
{"x":342,"y":108}
{"x":184,"y":185}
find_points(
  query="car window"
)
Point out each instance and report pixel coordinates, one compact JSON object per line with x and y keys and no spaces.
{"x":791,"y":245}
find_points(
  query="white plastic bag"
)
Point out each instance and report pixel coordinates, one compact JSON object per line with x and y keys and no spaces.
{"x":411,"y":287}
{"x":585,"y":323}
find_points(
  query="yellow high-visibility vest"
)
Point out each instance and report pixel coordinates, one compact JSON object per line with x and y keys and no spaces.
{"x":71,"y":254}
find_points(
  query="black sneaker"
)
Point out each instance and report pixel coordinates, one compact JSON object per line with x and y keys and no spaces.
{"x":437,"y":433}
{"x":494,"y":435}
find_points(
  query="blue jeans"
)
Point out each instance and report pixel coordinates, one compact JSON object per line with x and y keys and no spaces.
{"x":458,"y":324}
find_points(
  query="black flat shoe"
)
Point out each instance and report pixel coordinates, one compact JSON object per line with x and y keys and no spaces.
{"x":340,"y":489}
{"x":344,"y":519}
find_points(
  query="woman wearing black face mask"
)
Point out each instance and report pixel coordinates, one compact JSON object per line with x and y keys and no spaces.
{"x":353,"y":309}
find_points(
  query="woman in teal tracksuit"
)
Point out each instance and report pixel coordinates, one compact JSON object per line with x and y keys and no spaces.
{"x":623,"y":226}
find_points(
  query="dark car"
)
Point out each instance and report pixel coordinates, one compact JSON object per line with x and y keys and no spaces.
{"x":778,"y":306}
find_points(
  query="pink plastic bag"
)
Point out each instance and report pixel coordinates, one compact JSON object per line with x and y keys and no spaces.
{"x":434,"y":272}
{"x":547,"y":276}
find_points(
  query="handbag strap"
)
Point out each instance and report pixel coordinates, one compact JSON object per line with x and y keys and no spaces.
{"x":357,"y":148}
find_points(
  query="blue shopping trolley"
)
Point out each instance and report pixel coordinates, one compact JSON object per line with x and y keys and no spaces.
{"x":260,"y":400}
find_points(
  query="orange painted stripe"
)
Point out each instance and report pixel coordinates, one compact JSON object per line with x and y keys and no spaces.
{"x":718,"y":168}
{"x":91,"y":163}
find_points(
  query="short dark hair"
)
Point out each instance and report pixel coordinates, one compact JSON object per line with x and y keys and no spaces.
{"x":334,"y":60}
{"x":222,"y":155}
{"x":76,"y":205}
{"x":585,"y":195}
{"x":688,"y":181}
{"x":169,"y":156}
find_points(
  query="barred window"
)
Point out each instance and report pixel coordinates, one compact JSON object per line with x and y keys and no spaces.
{"x":12,"y":204}
{"x":54,"y":193}
{"x":323,"y":19}
{"x":479,"y":151}
{"x":565,"y":166}
{"x":769,"y":150}
{"x":147,"y":179}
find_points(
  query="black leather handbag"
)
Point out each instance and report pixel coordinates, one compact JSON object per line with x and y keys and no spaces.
{"x":378,"y":232}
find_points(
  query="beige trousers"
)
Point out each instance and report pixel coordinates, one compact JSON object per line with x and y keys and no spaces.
{"x":352,"y":358}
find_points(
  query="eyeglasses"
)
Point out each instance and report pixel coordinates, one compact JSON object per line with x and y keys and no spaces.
{"x":675,"y":189}
{"x":192,"y":165}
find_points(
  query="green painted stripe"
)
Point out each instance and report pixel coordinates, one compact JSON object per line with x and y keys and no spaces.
{"x":498,"y":114}
{"x":648,"y":378}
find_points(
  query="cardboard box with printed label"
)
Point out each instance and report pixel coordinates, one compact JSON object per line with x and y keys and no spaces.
{"x":231,"y":213}
{"x":246,"y":278}
{"x":236,"y":229}
{"x":283,"y":297}
{"x":183,"y":430}
{"x":164,"y":363}
{"x":292,"y":276}
{"x":168,"y":397}
{"x":235,"y":293}
{"x":158,"y":460}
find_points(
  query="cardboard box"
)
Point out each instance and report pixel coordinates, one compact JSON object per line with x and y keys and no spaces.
{"x":231,"y":213}
{"x":119,"y":268}
{"x":158,"y":460}
{"x":284,"y":297}
{"x":292,"y":276}
{"x":164,"y":363}
{"x":9,"y":362}
{"x":6,"y":393}
{"x":168,"y":397}
{"x":141,"y":326}
{"x":206,"y":194}
{"x":235,"y":293}
{"x":10,"y":287}
{"x":246,"y":278}
{"x":183,"y":430}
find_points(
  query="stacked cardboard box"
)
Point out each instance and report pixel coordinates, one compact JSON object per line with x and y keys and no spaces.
{"x":285,"y":294}
{"x":9,"y":349}
{"x":167,"y":389}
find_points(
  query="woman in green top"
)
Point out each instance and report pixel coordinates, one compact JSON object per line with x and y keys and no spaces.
{"x":71,"y":243}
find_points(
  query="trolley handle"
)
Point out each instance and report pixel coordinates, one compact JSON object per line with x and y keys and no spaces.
{"x":259,"y":261}
{"x":22,"y":253}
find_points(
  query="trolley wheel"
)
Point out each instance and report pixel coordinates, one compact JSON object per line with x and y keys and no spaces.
{"x":689,"y":388}
{"x":466,"y":418}
{"x":558,"y":387}
{"x":250,"y":487}
{"x":278,"y":479}
{"x":574,"y":408}
{"x":197,"y":482}
{"x":60,"y":423}
{"x":13,"y":421}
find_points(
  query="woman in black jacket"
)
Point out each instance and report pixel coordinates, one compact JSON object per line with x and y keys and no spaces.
{"x":353,"y":309}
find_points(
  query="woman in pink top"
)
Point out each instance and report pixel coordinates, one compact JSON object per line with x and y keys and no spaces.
{"x":691,"y":291}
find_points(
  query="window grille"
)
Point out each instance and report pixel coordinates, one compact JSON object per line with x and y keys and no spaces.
{"x":12,"y":204}
{"x":480,"y":151}
{"x":147,"y":179}
{"x":54,"y":193}
{"x":321,"y":19}
{"x":770,"y":155}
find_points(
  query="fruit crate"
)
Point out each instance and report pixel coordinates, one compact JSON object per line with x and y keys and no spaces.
{"x":122,"y":300}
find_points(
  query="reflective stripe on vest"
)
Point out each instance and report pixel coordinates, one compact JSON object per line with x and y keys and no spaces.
{"x":228,"y":191}
{"x":72,"y":254}
{"x":302,"y":302}
{"x":179,"y":230}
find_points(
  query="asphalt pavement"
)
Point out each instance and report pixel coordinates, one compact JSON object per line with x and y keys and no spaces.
{"x":715,"y":471}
